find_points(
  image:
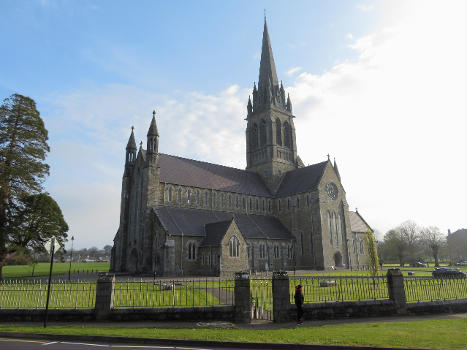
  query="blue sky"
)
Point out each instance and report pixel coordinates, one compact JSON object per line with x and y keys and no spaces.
{"x":374,"y":83}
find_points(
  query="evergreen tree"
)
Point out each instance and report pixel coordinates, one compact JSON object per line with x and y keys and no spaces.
{"x":38,"y":219}
{"x":373,"y":261}
{"x":23,"y":148}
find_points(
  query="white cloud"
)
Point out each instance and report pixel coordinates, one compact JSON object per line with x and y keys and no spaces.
{"x":293,"y":70}
{"x":366,"y":7}
{"x":395,"y":118}
{"x":349,"y":36}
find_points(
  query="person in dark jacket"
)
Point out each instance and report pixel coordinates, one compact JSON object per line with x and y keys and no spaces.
{"x":299,"y":299}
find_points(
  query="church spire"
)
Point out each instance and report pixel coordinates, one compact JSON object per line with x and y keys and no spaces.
{"x":130,"y":151}
{"x":131,"y":145}
{"x":267,"y":67}
{"x":153,"y":136}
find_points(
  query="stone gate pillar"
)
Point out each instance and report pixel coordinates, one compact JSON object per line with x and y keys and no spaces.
{"x":104,"y":296}
{"x":280,"y":296}
{"x":242,"y":298}
{"x":396,"y":289}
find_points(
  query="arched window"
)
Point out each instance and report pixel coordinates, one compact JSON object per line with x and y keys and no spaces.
{"x":279,"y":205}
{"x":237,"y":201}
{"x":206,"y":198}
{"x":287,"y":135}
{"x":254,"y":136}
{"x":244,"y":203}
{"x":169,"y":194}
{"x":330,"y":228}
{"x":298,"y":202}
{"x":362,"y":247}
{"x":257,"y":204}
{"x":179,"y":199}
{"x":230,"y":200}
{"x":335,"y":228}
{"x":262,"y":133}
{"x":342,"y":227}
{"x":191,"y":251}
{"x":234,"y":247}
{"x":214,"y":199}
{"x":188,"y":196}
{"x":251,"y":203}
{"x":197,"y":197}
{"x":278,"y":132}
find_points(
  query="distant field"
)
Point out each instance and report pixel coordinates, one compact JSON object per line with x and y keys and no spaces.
{"x":42,"y":269}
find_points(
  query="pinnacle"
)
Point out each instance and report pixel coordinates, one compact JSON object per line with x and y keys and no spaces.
{"x":267,"y":68}
{"x":131,"y":141}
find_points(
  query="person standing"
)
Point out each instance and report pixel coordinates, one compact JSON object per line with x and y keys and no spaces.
{"x":299,"y":299}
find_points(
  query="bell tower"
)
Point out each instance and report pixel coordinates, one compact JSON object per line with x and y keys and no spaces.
{"x":271,"y":147}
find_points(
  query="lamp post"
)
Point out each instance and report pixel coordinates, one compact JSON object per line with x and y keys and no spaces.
{"x":71,"y":258}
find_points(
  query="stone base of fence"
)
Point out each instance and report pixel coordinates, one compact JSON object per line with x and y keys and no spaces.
{"x":25,"y":315}
{"x":216,"y":313}
{"x":438,"y":307}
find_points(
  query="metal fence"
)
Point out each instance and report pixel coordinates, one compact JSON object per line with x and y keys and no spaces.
{"x":419,"y":289}
{"x":30,"y":294}
{"x":261,"y":299}
{"x":340,"y":288}
{"x":173,"y":293}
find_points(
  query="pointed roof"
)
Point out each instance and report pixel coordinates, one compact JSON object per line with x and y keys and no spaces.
{"x":337,"y":170}
{"x":267,"y":67}
{"x":358,"y":223}
{"x":301,"y":180}
{"x":131,"y":141}
{"x":153,"y":127}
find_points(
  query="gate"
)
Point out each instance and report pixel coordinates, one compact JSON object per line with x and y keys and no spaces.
{"x":261,"y":299}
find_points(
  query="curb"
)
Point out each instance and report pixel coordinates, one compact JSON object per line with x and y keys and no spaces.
{"x":189,"y":343}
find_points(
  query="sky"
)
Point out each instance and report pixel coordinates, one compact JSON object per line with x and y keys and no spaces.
{"x":379,"y":85}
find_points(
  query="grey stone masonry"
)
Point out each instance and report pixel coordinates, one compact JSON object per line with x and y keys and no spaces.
{"x":242,"y":298}
{"x":104,"y":296}
{"x":396,"y":289}
{"x":280,"y":296}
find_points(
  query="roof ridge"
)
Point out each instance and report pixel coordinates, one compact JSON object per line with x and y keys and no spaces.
{"x":200,"y":161}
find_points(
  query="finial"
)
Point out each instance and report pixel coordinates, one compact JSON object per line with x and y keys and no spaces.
{"x":264,"y":15}
{"x":328,"y":157}
{"x":132,"y":128}
{"x":356,"y":209}
{"x":154,"y":113}
{"x":141,"y":144}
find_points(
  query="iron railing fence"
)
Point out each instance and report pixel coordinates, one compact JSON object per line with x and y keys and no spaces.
{"x":165,"y":293}
{"x":418,"y":289}
{"x":261,"y":299}
{"x":31,"y":294}
{"x":324,"y":289}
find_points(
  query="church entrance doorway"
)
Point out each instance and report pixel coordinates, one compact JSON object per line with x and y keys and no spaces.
{"x":337,"y":259}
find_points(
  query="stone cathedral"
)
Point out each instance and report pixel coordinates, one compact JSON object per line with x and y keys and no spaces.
{"x":180,"y":216}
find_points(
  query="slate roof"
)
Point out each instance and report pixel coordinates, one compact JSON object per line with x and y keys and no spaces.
{"x":189,"y":172}
{"x":193,"y":222}
{"x":301,"y":180}
{"x":357,"y":223}
{"x":215,"y":232}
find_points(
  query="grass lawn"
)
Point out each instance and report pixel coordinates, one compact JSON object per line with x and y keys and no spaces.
{"x":42,"y":269}
{"x":435,"y":334}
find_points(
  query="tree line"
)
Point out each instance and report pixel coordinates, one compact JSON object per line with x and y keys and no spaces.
{"x":410,"y":243}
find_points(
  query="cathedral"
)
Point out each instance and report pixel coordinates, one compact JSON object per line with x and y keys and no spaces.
{"x":180,"y":216}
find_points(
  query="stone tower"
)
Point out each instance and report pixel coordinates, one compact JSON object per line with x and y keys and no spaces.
{"x":271,"y":147}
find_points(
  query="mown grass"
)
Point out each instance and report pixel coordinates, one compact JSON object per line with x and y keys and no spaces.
{"x":433,"y":334}
{"x":42,"y":269}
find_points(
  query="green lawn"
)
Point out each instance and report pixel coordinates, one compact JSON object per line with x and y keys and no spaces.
{"x":42,"y":269}
{"x":434,"y":334}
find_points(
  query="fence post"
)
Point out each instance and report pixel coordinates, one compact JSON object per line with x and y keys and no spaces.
{"x":104,"y":296}
{"x":396,"y":289}
{"x":242,"y":298}
{"x":280,"y":296}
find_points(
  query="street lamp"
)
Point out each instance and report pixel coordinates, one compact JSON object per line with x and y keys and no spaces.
{"x":71,"y":258}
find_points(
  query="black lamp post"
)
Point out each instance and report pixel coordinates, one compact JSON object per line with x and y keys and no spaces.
{"x":71,"y":258}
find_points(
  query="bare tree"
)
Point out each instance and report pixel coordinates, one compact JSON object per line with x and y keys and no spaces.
{"x":410,"y":234}
{"x":434,"y":240}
